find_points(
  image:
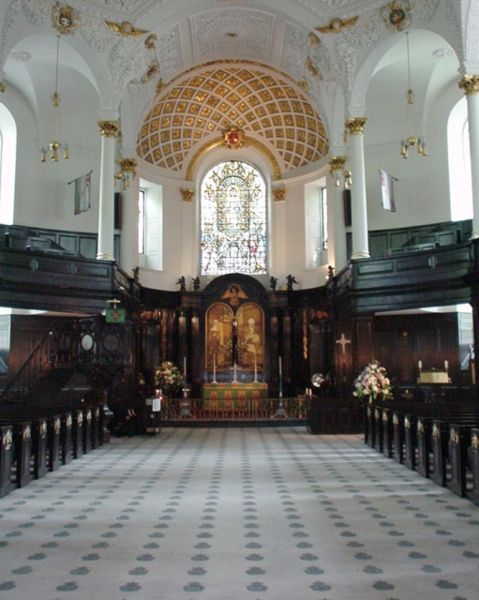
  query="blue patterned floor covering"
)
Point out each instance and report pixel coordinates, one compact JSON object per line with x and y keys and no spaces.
{"x":237,"y":514}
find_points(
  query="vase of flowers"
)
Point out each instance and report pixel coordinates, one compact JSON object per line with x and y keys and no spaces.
{"x":372,"y":383}
{"x":168,"y":377}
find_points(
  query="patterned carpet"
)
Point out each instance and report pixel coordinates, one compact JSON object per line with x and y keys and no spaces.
{"x":232,"y":514}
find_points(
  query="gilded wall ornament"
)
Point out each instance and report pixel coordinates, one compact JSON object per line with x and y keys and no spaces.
{"x":234,"y":137}
{"x":314,"y":40}
{"x":304,"y":85}
{"x":150,"y":41}
{"x":187,"y":194}
{"x":152,"y":70}
{"x":337,"y":25}
{"x":3,"y":87}
{"x":397,"y":15}
{"x":64,"y":18}
{"x":313,"y":68}
{"x":279,"y":193}
{"x":125,"y":28}
{"x":470,"y":84}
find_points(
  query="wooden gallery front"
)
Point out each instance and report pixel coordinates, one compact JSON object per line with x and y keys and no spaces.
{"x":247,"y":353}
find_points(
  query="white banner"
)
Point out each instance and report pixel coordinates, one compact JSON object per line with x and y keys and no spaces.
{"x":386,"y":183}
{"x":82,"y":193}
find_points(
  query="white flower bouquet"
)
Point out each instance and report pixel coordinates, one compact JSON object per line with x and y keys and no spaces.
{"x":168,"y":377}
{"x":372,"y":382}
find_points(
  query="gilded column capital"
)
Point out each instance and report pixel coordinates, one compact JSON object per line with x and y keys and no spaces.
{"x":470,"y":84}
{"x":356,"y":125}
{"x":128,"y":165}
{"x":336,"y":163}
{"x":109,"y":128}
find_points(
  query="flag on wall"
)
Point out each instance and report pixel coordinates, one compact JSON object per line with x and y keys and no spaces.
{"x":386,"y":183}
{"x":82,"y":193}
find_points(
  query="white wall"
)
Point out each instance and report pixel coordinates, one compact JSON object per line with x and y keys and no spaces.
{"x":42,"y":196}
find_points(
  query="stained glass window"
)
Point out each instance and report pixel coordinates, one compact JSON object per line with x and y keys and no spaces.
{"x":233,"y":220}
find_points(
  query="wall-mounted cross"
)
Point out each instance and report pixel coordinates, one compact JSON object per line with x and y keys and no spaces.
{"x":343,"y":342}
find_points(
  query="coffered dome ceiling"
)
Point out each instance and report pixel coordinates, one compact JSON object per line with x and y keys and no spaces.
{"x":200,"y":105}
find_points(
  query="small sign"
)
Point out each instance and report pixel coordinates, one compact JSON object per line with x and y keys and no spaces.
{"x":115,"y":315}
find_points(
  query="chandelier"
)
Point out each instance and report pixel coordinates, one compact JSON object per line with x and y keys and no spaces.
{"x":55,"y":147}
{"x":411,"y":140}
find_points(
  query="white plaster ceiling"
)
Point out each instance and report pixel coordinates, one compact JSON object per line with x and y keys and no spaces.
{"x":191,"y":33}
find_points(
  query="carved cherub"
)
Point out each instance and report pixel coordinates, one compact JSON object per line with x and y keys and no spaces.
{"x":125,"y":28}
{"x":337,"y":25}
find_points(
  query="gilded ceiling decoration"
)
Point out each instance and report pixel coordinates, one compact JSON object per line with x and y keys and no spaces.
{"x":259,"y":101}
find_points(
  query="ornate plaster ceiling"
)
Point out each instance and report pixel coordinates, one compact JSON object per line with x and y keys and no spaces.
{"x":267,"y":106}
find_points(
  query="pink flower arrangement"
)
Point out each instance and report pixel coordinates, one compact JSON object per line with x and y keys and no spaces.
{"x":371,"y":382}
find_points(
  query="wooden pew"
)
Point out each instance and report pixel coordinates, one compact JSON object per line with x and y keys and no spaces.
{"x":473,"y":492}
{"x":66,"y":438}
{"x":6,"y":460}
{"x":54,"y":446}
{"x":39,"y":446}
{"x":77,"y":433}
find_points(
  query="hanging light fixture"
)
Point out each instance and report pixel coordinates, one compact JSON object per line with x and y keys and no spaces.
{"x":55,"y":146}
{"x":411,"y":140}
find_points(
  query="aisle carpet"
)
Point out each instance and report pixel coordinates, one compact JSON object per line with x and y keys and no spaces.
{"x":237,"y":514}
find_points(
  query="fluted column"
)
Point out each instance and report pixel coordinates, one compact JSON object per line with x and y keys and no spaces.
{"x":129,"y":215}
{"x":337,"y":233}
{"x":355,"y":127}
{"x":109,"y":131}
{"x":470,"y":85}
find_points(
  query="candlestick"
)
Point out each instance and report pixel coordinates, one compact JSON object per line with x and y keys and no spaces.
{"x":255,"y":370}
{"x":184,"y":368}
{"x":419,"y":364}
{"x":214,"y":367}
{"x":280,"y":365}
{"x":446,"y":365}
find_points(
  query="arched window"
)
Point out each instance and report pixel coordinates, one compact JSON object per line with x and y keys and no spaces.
{"x":233,"y":220}
{"x":460,"y":184}
{"x":8,"y":155}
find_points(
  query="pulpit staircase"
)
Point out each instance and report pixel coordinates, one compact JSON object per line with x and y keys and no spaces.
{"x":44,"y":373}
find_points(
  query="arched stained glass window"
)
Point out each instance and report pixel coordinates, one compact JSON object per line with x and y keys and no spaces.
{"x":233,"y":220}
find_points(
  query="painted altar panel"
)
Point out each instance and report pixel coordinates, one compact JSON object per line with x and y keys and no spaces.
{"x":234,"y":336}
{"x":250,"y":318}
{"x":219,"y":337}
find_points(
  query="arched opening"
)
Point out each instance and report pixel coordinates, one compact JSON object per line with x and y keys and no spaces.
{"x":234,"y":227}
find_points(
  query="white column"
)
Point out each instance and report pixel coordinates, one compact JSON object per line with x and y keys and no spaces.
{"x":109,"y":131}
{"x":355,"y":127}
{"x":470,"y":85}
{"x":337,"y":257}
{"x":129,"y":216}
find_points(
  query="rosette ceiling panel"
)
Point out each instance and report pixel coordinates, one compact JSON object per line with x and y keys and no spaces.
{"x":268,"y":106}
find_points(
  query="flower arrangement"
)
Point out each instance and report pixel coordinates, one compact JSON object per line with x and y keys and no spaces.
{"x":168,"y":376}
{"x":371,"y":382}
